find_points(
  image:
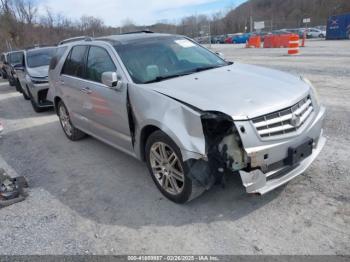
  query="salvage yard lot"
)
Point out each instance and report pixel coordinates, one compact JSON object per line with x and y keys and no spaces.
{"x":88,"y":198}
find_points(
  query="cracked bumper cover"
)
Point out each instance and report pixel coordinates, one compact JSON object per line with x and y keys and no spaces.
{"x":260,"y":182}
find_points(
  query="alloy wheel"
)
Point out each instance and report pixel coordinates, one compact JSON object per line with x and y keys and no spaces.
{"x":65,"y":121}
{"x":167,"y":168}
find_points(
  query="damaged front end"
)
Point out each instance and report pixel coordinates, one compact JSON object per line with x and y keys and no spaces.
{"x":224,"y":150}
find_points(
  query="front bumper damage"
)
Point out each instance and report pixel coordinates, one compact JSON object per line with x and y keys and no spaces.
{"x":261,"y":183}
{"x":272,"y":172}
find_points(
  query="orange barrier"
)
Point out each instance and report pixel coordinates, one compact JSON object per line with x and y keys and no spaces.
{"x":293,"y":45}
{"x":276,"y":41}
{"x":284,"y":41}
{"x":254,"y":41}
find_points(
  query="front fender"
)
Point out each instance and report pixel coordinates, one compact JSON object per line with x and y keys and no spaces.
{"x":180,"y":122}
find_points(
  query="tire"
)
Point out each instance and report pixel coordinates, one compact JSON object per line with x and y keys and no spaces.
{"x":35,"y":106}
{"x":177,"y":187}
{"x":25,"y":96}
{"x":321,"y":36}
{"x":70,"y":131}
{"x":3,"y":75}
{"x":18,"y":87}
{"x":11,"y":81}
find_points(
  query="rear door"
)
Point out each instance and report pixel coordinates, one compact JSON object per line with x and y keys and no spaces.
{"x":72,"y":75}
{"x":106,"y":107}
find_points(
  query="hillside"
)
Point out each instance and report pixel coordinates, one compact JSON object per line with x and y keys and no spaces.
{"x":284,"y":13}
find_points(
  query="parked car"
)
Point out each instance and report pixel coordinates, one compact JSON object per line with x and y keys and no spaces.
{"x":316,"y":33}
{"x":219,"y":39}
{"x":228,"y":39}
{"x":190,"y":115}
{"x":241,"y":38}
{"x":32,"y":75}
{"x":297,"y":31}
{"x":3,"y":61}
{"x":281,"y":32}
{"x":13,"y":58}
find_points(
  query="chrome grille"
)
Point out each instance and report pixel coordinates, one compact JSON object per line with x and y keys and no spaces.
{"x":284,"y":122}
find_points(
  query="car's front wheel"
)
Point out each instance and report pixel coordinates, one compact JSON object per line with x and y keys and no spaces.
{"x":25,"y":96}
{"x":168,"y":171}
{"x":71,"y":132}
{"x":11,"y":81}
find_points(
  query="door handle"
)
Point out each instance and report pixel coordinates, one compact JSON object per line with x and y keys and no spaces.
{"x":86,"y":90}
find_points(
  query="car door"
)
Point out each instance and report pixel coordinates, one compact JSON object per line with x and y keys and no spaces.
{"x":106,"y":107}
{"x":21,"y":74}
{"x":71,"y":78}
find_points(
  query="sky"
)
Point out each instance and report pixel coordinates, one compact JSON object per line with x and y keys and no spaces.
{"x":115,"y":12}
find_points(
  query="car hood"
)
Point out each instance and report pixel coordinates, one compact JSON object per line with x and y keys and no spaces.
{"x":239,"y":90}
{"x":41,"y":71}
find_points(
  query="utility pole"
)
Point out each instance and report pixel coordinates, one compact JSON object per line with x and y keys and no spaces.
{"x":251,"y":16}
{"x":209,"y":35}
{"x":251,"y":24}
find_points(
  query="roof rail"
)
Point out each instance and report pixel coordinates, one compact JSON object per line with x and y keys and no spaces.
{"x":37,"y":46}
{"x":74,"y":39}
{"x":139,"y":32}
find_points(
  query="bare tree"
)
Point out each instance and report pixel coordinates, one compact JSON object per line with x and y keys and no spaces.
{"x":26,"y":10}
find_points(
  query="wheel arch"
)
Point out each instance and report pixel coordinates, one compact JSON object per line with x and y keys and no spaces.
{"x":145,"y":133}
{"x":56,"y":100}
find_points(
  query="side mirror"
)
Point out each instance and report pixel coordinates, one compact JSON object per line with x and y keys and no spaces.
{"x":18,"y":67}
{"x":221,"y":55}
{"x":111,"y":79}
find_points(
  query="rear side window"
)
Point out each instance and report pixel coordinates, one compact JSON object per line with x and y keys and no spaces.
{"x":99,"y":61}
{"x":75,"y":62}
{"x":57,"y":57}
{"x":16,"y":58}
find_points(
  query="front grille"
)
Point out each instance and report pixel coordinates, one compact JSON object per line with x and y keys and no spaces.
{"x":284,"y":122}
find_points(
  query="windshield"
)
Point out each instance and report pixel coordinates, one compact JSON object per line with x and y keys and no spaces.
{"x":40,"y":57}
{"x":159,"y":58}
{"x":16,"y":58}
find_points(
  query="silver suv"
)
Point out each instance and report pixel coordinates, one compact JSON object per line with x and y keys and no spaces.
{"x":190,"y":115}
{"x":32,"y":74}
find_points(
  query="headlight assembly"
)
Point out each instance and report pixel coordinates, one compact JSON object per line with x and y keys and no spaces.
{"x":314,"y":91}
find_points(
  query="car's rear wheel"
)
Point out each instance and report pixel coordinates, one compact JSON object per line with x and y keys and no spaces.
{"x":321,"y":36}
{"x":168,"y":171}
{"x":71,"y":132}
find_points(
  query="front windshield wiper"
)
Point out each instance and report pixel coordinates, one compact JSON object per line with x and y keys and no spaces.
{"x":161,"y":78}
{"x":196,"y":70}
{"x":204,"y":68}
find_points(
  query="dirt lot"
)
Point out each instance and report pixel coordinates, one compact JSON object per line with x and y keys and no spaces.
{"x":88,"y":198}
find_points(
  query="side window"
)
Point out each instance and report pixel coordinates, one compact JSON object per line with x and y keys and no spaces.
{"x":57,"y":57}
{"x":99,"y":61}
{"x":75,"y":62}
{"x":16,"y":58}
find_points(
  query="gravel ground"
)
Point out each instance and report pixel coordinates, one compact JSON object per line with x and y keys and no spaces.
{"x":88,"y":198}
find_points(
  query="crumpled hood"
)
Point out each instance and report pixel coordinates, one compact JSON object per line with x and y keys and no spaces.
{"x":241,"y":91}
{"x":41,"y":71}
